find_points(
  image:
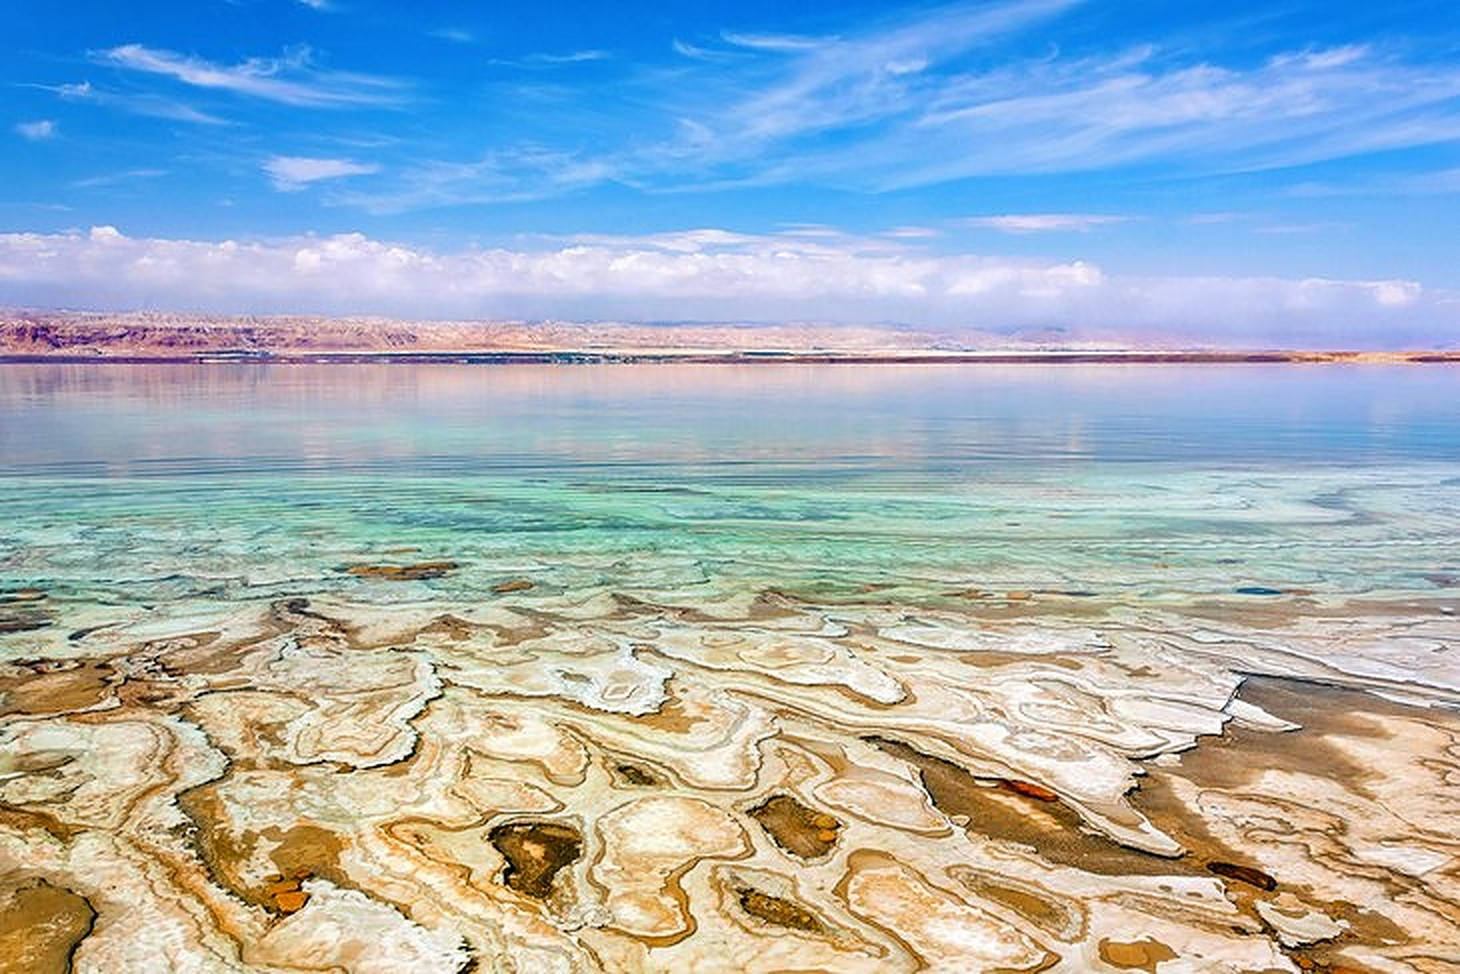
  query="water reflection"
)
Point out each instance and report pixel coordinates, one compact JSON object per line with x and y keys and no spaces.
{"x":236,"y":418}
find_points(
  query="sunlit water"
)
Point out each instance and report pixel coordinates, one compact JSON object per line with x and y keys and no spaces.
{"x":156,"y":483}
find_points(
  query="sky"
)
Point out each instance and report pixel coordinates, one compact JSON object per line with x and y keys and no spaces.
{"x":1235,"y":172}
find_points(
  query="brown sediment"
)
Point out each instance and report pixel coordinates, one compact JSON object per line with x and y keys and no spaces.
{"x":1309,"y":965}
{"x":25,"y":819}
{"x":1239,"y":757}
{"x":306,"y":850}
{"x":1047,"y":914}
{"x":40,"y":928}
{"x":290,"y":901}
{"x":452,"y":627}
{"x":298,"y":853}
{"x":670,"y":716}
{"x":1141,"y":955}
{"x":797,"y":829}
{"x":535,"y":851}
{"x":1243,"y":874}
{"x":774,"y":909}
{"x":53,"y":686}
{"x":1028,"y":789}
{"x":222,"y":854}
{"x":514,"y":585}
{"x":285,"y":891}
{"x":205,"y":655}
{"x":637,"y":776}
{"x":630,"y":607}
{"x":1048,"y":825}
{"x":402,"y":573}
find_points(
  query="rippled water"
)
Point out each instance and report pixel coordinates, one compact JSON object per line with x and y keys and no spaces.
{"x":157,"y":482}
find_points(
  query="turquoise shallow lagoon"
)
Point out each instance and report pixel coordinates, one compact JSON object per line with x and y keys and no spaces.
{"x":586,"y":669}
{"x":155,"y":482}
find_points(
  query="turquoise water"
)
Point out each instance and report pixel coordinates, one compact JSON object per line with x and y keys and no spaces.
{"x":145,"y":484}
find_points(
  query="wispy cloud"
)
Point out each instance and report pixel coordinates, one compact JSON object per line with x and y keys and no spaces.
{"x":713,"y":274}
{"x":1429,"y":182}
{"x":775,"y":42}
{"x":1216,"y":217}
{"x":549,"y":59}
{"x":152,"y":106}
{"x":317,"y":4}
{"x":747,"y":115}
{"x":37,"y":131}
{"x":572,"y":57}
{"x":116,"y":178}
{"x":291,"y":173}
{"x":1044,"y":222}
{"x":457,"y":35}
{"x":292,"y":79}
{"x":526,"y":173}
{"x":1142,"y":106}
{"x":1291,"y":229}
{"x":951,"y":93}
{"x":697,"y":53}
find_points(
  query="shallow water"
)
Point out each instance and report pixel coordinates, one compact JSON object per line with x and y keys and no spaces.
{"x":828,"y":667}
{"x":1147,"y":480}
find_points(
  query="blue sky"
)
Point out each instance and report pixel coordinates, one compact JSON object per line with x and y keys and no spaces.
{"x":1006,"y":163}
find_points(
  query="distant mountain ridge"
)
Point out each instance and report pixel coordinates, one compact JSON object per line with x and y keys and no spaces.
{"x":162,"y":336}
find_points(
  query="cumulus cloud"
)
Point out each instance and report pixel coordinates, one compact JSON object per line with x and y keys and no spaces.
{"x":37,"y":131}
{"x":717,"y":275}
{"x":290,"y":173}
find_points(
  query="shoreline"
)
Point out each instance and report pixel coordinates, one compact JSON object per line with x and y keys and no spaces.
{"x":739,"y":357}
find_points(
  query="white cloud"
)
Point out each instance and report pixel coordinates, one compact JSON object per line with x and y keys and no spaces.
{"x":317,"y":4}
{"x":775,"y":42}
{"x":548,"y":59}
{"x":289,"y":173}
{"x":136,"y":103}
{"x":965,"y":90}
{"x":1044,"y":222}
{"x":506,"y":176}
{"x":911,"y":233}
{"x":712,"y":274}
{"x":457,"y":35}
{"x":697,"y":53}
{"x":37,"y":131}
{"x":115,"y":178}
{"x":291,"y":80}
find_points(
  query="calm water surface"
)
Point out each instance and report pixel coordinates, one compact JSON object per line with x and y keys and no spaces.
{"x":160,"y":483}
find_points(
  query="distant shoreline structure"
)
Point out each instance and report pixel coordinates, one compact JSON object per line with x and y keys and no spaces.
{"x":579,"y":357}
{"x":70,"y":337}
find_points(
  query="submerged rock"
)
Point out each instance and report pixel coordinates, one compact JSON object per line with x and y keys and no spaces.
{"x":514,"y":585}
{"x":402,"y":573}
